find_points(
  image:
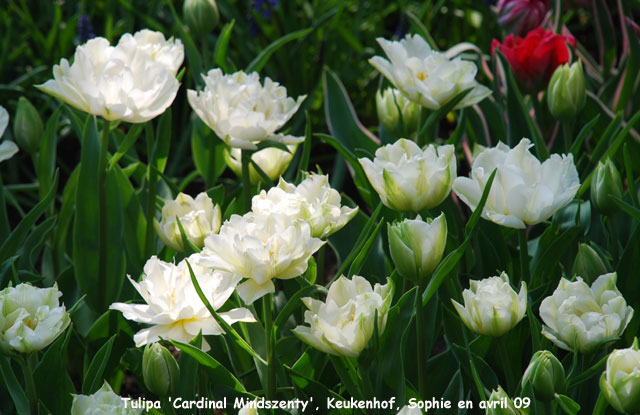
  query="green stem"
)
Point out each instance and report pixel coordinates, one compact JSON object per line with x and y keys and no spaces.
{"x":421,"y":351}
{"x":558,"y":15}
{"x":367,"y":388}
{"x":28,"y":365}
{"x":246,"y":179}
{"x":548,"y":407}
{"x":524,"y":256}
{"x":102,"y":211}
{"x":567,"y":134}
{"x":613,"y":239}
{"x":321,"y":258}
{"x":508,"y":371}
{"x":151,"y":209}
{"x":267,"y":315}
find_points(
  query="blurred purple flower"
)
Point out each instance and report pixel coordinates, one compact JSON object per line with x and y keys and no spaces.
{"x":85,"y":29}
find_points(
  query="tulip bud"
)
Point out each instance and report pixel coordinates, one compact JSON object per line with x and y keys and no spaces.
{"x":588,"y":264}
{"x":521,"y":16}
{"x":567,"y":91}
{"x":417,"y":246}
{"x":606,"y":182}
{"x":546,"y":375}
{"x":201,"y":15}
{"x":160,"y":370}
{"x":620,"y":382}
{"x":502,"y":404}
{"x":27,"y":126}
{"x":387,"y":105}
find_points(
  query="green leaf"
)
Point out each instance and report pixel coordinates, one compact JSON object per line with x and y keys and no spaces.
{"x":568,"y":405}
{"x":162,"y":143}
{"x":94,"y":375}
{"x":207,"y":152}
{"x":222,"y":44}
{"x":259,"y":61}
{"x":47,"y":154}
{"x":364,"y":251}
{"x":303,"y":165}
{"x":294,"y":302}
{"x":129,"y":140}
{"x":53,"y":383}
{"x":13,"y":386}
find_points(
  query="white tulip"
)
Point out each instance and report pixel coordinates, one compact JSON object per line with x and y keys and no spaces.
{"x":271,"y":160}
{"x":31,"y":318}
{"x":313,"y":201}
{"x":410,"y":179}
{"x":7,"y":148}
{"x":491,"y":306}
{"x":577,"y":315}
{"x":524,"y":191}
{"x":620,"y":382}
{"x":133,"y":81}
{"x":199,"y":218}
{"x":242,"y":111}
{"x":103,"y":402}
{"x":344,"y":323}
{"x":409,"y":410}
{"x":174,"y":309}
{"x":427,"y":77}
{"x":259,"y":249}
{"x":388,"y":102}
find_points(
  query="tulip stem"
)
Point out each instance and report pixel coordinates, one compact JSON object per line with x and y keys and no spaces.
{"x":28,"y":365}
{"x":320,"y":264}
{"x":524,"y":256}
{"x":511,"y":382}
{"x":151,"y":195}
{"x":421,"y":351}
{"x":245,"y":159}
{"x":267,"y":315}
{"x":102,"y":211}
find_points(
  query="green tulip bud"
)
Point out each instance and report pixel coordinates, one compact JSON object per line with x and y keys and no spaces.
{"x":545,"y":374}
{"x":201,"y":15}
{"x":501,"y":404}
{"x":606,"y":182}
{"x":160,"y":370}
{"x":388,"y":103}
{"x":620,"y":382}
{"x":27,"y":126}
{"x":417,"y":246}
{"x":567,"y":91}
{"x":588,"y":264}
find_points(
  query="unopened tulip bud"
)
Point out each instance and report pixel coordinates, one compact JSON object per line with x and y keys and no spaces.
{"x":620,"y":383}
{"x":567,"y":91}
{"x":606,"y":182}
{"x":588,"y":264}
{"x":521,"y":16}
{"x":417,"y":246}
{"x":201,"y":15}
{"x":27,"y":126}
{"x":396,"y":113}
{"x":160,"y":370}
{"x":502,"y":404}
{"x":546,"y":375}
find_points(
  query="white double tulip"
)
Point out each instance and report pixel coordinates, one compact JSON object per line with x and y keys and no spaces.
{"x":7,"y":148}
{"x":242,"y":111}
{"x":408,"y":178}
{"x":491,"y":306}
{"x":271,"y":160}
{"x":428,"y":77}
{"x":31,"y":318}
{"x":524,"y":191}
{"x":620,"y":382}
{"x":103,"y":402}
{"x":174,"y":309}
{"x":344,"y":323}
{"x":260,"y":248}
{"x":583,"y":317}
{"x":417,"y":246}
{"x":199,"y":219}
{"x":313,"y":201}
{"x":133,"y":81}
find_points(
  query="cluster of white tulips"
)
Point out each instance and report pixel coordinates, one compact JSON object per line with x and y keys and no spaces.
{"x":137,"y":80}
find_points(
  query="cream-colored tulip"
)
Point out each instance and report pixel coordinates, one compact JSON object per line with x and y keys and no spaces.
{"x":491,"y":306}
{"x":199,"y":219}
{"x":344,"y":323}
{"x":242,"y":111}
{"x":174,"y":309}
{"x":428,"y":77}
{"x":133,"y":81}
{"x":103,"y":402}
{"x":524,"y":191}
{"x":31,"y":318}
{"x":408,"y":178}
{"x":7,"y":148}
{"x":259,"y":249}
{"x":583,"y":317}
{"x":271,"y":160}
{"x":313,"y":201}
{"x":620,"y":382}
{"x":388,"y":102}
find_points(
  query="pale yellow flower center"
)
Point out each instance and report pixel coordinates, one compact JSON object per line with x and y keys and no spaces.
{"x":421,"y":76}
{"x":31,"y":323}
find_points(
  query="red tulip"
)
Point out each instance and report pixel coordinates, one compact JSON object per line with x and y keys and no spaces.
{"x":535,"y":57}
{"x":521,"y":16}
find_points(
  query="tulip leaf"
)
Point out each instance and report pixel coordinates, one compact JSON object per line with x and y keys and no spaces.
{"x":94,"y":375}
{"x":207,"y":152}
{"x":218,"y":372}
{"x":303,"y":165}
{"x":189,"y":247}
{"x":316,"y":389}
{"x":577,"y":143}
{"x":13,"y":386}
{"x":222,"y":44}
{"x":568,"y":405}
{"x":363,"y":252}
{"x":4,"y":218}
{"x":53,"y":383}
{"x":32,"y":245}
{"x":265,"y":178}
{"x":453,"y":393}
{"x":437,"y":115}
{"x":294,"y":302}
{"x":550,"y":249}
{"x":11,"y":244}
{"x":162,"y":143}
{"x":47,"y":154}
{"x":65,"y":214}
{"x":125,"y":145}
{"x":259,"y":61}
